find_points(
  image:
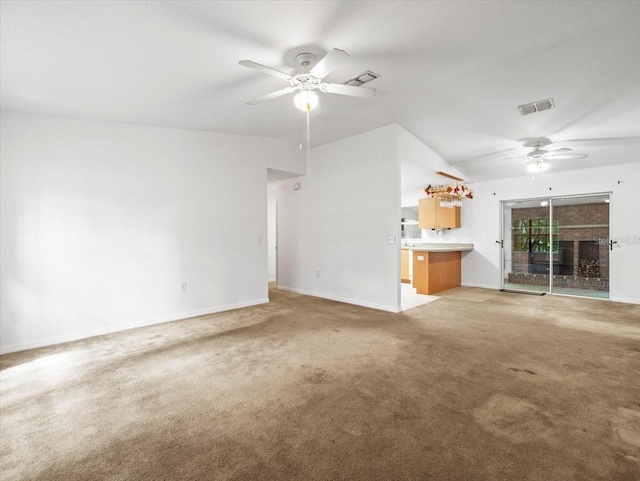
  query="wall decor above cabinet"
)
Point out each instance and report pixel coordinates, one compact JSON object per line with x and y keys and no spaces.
{"x":449,"y":195}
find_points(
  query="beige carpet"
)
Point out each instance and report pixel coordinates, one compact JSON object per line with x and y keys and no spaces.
{"x":478,"y":385}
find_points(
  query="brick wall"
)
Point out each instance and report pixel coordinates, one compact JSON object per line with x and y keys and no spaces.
{"x":583,"y":222}
{"x":576,"y":282}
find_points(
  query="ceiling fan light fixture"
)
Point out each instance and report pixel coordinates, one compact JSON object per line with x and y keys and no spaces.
{"x":306,"y":100}
{"x":537,"y":166}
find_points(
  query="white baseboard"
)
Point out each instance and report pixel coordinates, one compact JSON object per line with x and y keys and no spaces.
{"x":371,"y":305}
{"x":271,"y":280}
{"x":48,"y":341}
{"x":625,"y":300}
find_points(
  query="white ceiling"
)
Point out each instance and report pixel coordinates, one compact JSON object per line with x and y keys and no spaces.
{"x":452,"y":73}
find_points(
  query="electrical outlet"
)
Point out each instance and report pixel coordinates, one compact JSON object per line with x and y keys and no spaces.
{"x":259,"y":239}
{"x":183,"y":286}
{"x":391,"y":239}
{"x":317,"y":273}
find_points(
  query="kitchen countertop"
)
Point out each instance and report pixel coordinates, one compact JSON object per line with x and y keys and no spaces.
{"x":439,"y":247}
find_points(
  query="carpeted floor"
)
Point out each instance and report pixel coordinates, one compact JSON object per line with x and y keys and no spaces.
{"x":478,"y":385}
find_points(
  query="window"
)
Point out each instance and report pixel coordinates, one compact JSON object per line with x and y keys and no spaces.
{"x":532,"y":235}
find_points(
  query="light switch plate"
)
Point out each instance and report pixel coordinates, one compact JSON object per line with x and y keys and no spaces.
{"x":391,"y":239}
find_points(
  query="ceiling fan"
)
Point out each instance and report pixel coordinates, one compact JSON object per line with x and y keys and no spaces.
{"x":305,"y":80}
{"x":537,"y":157}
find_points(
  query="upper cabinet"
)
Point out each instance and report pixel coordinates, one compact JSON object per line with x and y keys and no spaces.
{"x":433,"y":216}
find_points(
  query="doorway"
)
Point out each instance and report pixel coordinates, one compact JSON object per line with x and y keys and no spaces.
{"x":557,"y":245}
{"x":272,"y":236}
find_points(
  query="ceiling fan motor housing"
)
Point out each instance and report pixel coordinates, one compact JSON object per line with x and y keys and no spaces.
{"x":300,"y":76}
{"x":304,"y":59}
{"x":537,"y":153}
{"x":304,"y":81}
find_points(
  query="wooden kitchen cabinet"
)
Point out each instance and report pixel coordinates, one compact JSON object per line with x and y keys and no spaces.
{"x":404,"y":271}
{"x":436,"y":271}
{"x":432,"y":216}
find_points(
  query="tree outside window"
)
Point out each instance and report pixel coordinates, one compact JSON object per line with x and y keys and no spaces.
{"x":532,"y":235}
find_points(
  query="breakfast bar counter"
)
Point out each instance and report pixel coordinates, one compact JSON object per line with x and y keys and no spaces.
{"x":437,"y":267}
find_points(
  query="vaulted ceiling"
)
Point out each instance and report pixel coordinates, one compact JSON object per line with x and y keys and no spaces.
{"x":452,"y":73}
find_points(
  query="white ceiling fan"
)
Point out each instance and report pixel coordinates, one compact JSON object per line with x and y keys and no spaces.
{"x":537,"y":157}
{"x":305,"y":80}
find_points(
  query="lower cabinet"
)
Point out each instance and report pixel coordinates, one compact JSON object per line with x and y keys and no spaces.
{"x":404,"y":271}
{"x":436,"y":271}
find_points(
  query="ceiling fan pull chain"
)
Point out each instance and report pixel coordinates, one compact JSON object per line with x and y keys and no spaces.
{"x":308,"y":142}
{"x":300,"y":138}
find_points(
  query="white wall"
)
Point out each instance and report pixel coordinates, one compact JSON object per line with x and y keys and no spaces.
{"x":272,"y":198}
{"x":100,"y":223}
{"x":480,"y":219}
{"x":338,"y":222}
{"x":449,"y":236}
{"x":419,"y":165}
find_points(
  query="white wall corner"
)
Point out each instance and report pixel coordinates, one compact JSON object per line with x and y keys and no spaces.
{"x":101,"y":222}
{"x":332,"y":232}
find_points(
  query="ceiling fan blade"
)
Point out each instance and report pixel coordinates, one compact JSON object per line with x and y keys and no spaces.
{"x":330,"y":61}
{"x":508,"y":164}
{"x":484,"y":157}
{"x":609,"y":140}
{"x":552,"y":153}
{"x":566,"y":156}
{"x":535,"y":142}
{"x":264,"y":69}
{"x":347,"y":90}
{"x":272,"y":95}
{"x":513,"y":161}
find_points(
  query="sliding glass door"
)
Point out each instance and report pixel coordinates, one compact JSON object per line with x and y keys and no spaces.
{"x":557,"y":245}
{"x":527,"y":244}
{"x":583,"y":223}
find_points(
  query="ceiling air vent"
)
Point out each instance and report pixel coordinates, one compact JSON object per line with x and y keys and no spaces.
{"x":363,"y":78}
{"x":538,"y":106}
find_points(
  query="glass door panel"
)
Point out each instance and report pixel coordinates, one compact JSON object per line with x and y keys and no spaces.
{"x":529,"y":245}
{"x":583,"y":241}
